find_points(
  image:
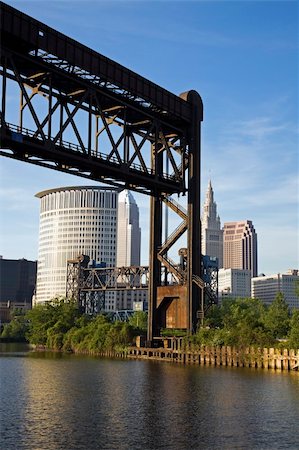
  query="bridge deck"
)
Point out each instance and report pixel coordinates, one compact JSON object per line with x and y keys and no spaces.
{"x":37,"y":41}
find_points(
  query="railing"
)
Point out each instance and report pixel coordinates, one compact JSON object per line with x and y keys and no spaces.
{"x":176,"y":207}
{"x":22,"y":131}
{"x":175,"y":235}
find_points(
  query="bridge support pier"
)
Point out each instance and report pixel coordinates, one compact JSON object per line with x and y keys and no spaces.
{"x":194,"y":293}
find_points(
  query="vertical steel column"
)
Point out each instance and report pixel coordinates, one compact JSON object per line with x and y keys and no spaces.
{"x":3,"y":103}
{"x":50,"y":109}
{"x":154,"y":265}
{"x":155,"y":243}
{"x":89,"y":126}
{"x":22,"y":106}
{"x":194,"y":292}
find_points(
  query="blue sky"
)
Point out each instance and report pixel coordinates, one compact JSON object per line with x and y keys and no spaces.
{"x":242,"y":57}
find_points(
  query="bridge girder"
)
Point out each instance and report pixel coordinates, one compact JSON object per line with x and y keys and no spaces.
{"x":84,"y":114}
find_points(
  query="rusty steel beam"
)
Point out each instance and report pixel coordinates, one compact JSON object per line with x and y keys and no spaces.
{"x":195,"y":292}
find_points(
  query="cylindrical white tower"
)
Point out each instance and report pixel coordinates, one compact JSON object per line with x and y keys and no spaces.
{"x":74,"y":221}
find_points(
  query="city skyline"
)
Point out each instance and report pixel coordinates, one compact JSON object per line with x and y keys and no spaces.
{"x":242,"y":59}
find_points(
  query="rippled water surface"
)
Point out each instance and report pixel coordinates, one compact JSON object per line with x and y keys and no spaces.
{"x":58,"y":402}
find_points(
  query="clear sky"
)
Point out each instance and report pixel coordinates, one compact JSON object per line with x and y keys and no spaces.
{"x":242,"y":57}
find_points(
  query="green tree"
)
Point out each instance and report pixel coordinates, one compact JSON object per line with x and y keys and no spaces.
{"x":214,"y":317}
{"x":139,"y":321}
{"x":49,"y":322}
{"x":120,"y":335}
{"x":243,"y":311}
{"x":294,"y":330}
{"x":277,"y":317}
{"x":236,"y":322}
{"x":16,"y":329}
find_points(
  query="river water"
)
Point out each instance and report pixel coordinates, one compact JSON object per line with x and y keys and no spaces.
{"x":67,"y":402}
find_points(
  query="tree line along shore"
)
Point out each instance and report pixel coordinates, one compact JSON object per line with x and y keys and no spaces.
{"x":59,"y":325}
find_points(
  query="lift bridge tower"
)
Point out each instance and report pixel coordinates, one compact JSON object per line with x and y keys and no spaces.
{"x":82,"y":113}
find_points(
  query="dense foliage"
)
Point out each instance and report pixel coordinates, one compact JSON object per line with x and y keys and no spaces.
{"x":16,"y":329}
{"x":59,"y":325}
{"x":245,"y":322}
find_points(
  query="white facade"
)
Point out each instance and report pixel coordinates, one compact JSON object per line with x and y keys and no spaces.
{"x":265,"y":288}
{"x":234,"y":283}
{"x":128,"y":246}
{"x":128,"y":231}
{"x":74,"y":221}
{"x":212,"y":235}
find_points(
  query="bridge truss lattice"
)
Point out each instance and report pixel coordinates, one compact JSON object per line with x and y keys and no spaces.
{"x":81,"y":113}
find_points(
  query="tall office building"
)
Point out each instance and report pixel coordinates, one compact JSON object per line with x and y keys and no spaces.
{"x":74,"y":221}
{"x":265,"y":288}
{"x":128,"y":231}
{"x":128,"y":246}
{"x":212,"y":235}
{"x":240,"y":246}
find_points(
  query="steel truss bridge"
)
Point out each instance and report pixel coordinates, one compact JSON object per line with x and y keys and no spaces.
{"x":81,"y":113}
{"x":88,"y":284}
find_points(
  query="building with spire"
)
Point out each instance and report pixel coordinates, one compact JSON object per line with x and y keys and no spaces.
{"x":212,"y":235}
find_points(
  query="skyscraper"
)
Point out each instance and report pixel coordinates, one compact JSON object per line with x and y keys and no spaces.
{"x":212,"y":235}
{"x":74,"y":221}
{"x":240,"y":246}
{"x":128,"y":231}
{"x":128,"y":246}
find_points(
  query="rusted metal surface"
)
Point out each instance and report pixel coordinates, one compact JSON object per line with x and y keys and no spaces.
{"x":172,"y":307}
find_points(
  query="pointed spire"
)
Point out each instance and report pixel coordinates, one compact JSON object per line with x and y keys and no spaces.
{"x":209,"y":217}
{"x":209,"y":194}
{"x":212,"y":235}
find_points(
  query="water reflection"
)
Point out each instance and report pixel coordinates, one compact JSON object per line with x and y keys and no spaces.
{"x":55,"y":402}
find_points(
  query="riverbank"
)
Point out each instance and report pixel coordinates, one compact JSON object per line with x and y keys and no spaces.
{"x":250,"y":357}
{"x":262,"y":358}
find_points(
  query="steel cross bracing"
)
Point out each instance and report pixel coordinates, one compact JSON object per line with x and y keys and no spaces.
{"x":84,"y":114}
{"x":106,"y":278}
{"x":86,"y":282}
{"x":115,"y":278}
